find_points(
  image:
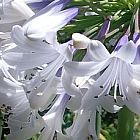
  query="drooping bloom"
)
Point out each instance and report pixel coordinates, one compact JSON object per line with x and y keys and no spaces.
{"x":117,"y":71}
{"x":32,"y":50}
{"x":83,"y":126}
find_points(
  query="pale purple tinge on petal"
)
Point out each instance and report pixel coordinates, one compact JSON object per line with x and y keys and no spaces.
{"x":52,"y":8}
{"x":104,"y":29}
{"x":124,"y":40}
{"x":137,"y":58}
{"x":136,"y":39}
{"x":38,"y":27}
{"x":43,"y":3}
{"x":38,"y":5}
{"x":59,"y":72}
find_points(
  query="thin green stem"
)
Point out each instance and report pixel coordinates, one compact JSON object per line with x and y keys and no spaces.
{"x":125,"y":124}
{"x":98,"y":123}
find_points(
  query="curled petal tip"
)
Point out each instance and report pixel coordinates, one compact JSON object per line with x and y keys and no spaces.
{"x":80,"y":41}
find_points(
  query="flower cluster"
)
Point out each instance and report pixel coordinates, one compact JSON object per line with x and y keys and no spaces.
{"x":39,"y":78}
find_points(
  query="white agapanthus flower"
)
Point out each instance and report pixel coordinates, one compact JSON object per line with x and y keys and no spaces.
{"x":116,"y":70}
{"x":30,"y":52}
{"x":84,"y":121}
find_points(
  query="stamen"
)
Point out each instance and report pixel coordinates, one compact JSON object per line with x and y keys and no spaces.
{"x":115,"y":92}
{"x":28,"y":91}
{"x":30,"y":78}
{"x":25,"y":77}
{"x":32,"y":74}
{"x":43,"y":80}
{"x":35,"y":88}
{"x":96,"y":96}
{"x":101,"y":87}
{"x":46,"y":41}
{"x":121,"y":95}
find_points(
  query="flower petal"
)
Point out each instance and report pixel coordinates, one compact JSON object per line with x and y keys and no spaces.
{"x":22,"y":8}
{"x":40,"y":26}
{"x":23,"y":61}
{"x":54,"y":6}
{"x":25,"y":43}
{"x":133,"y":100}
{"x":96,"y":52}
{"x":109,"y":104}
{"x":122,"y":42}
{"x":85,"y":68}
{"x":19,"y":132}
{"x":79,"y":131}
{"x":127,"y":52}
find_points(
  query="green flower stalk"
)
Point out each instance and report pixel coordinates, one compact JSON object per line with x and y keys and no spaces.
{"x":125,"y":124}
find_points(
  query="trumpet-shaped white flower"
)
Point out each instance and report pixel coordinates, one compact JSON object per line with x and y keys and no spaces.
{"x":117,"y":70}
{"x":83,"y":126}
{"x":31,"y":53}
